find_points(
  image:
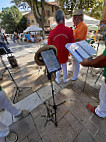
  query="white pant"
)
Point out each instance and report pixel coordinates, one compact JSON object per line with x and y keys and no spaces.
{"x":76,"y":67}
{"x":6,"y":104}
{"x":101,"y":109}
{"x":64,"y":68}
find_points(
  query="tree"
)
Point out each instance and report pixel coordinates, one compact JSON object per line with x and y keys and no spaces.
{"x":91,"y":7}
{"x":104,"y":12}
{"x":96,"y":10}
{"x":35,"y":6}
{"x":12,"y":20}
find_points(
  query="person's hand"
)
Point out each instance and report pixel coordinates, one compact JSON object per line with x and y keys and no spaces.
{"x":69,"y":60}
{"x":84,"y":62}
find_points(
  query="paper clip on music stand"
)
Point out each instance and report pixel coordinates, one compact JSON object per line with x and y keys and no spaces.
{"x":52,"y":65}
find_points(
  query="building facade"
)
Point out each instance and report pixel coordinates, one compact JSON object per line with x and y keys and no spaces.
{"x":49,"y":11}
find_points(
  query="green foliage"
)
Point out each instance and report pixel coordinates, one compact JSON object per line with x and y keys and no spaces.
{"x":92,"y":7}
{"x":12,"y":20}
{"x":97,"y":9}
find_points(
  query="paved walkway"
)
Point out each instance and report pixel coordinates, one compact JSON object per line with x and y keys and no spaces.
{"x":75,"y":122}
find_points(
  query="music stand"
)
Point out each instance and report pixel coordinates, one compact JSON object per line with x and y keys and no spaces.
{"x":3,"y":51}
{"x":79,"y":51}
{"x":52,"y":65}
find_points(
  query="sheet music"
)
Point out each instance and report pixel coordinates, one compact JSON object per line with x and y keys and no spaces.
{"x":50,"y":60}
{"x":80,"y":50}
{"x":72,"y":50}
{"x":87,"y":47}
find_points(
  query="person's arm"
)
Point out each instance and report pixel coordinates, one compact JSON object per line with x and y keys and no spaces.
{"x":98,"y":62}
{"x":76,"y":40}
{"x":49,"y":39}
{"x":71,"y":36}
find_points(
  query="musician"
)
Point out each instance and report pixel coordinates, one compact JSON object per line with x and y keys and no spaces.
{"x":7,"y":105}
{"x":80,"y":33}
{"x":3,"y":45}
{"x":98,"y":62}
{"x":59,"y":37}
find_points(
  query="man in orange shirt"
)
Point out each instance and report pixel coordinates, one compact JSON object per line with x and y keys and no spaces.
{"x":80,"y":33}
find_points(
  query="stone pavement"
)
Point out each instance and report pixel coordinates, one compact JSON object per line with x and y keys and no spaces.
{"x":75,"y":122}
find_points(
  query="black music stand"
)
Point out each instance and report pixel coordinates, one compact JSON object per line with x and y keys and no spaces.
{"x":52,"y":65}
{"x":3,"y":51}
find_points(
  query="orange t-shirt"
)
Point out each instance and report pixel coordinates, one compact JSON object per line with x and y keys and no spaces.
{"x":80,"y":31}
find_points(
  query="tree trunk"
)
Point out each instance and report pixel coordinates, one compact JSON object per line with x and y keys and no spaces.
{"x":104,"y":12}
{"x":40,"y":18}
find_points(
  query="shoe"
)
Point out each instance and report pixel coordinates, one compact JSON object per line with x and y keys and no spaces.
{"x":23,"y":114}
{"x":64,"y":81}
{"x":92,"y":109}
{"x":57,"y":81}
{"x":74,"y":78}
{"x":1,"y":109}
{"x":70,"y":71}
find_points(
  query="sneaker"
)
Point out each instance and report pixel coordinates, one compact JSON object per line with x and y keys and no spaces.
{"x":74,"y":78}
{"x":23,"y":114}
{"x":57,"y":81}
{"x":1,"y":109}
{"x":64,"y":81}
{"x":70,"y":71}
{"x":92,"y":109}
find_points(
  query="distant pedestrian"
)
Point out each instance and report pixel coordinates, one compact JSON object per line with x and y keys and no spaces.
{"x":21,"y":37}
{"x":1,"y":36}
{"x":13,"y":38}
{"x":28,"y":37}
{"x":17,"y":37}
{"x":5,"y":39}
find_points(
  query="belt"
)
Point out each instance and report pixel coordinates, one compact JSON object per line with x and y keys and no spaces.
{"x":105,"y":80}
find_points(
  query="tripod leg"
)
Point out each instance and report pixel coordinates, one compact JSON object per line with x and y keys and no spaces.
{"x":55,"y":118}
{"x":15,"y":96}
{"x":45,"y":123}
{"x":98,"y":77}
{"x":61,"y":103}
{"x":85,"y":79}
{"x":43,"y":115}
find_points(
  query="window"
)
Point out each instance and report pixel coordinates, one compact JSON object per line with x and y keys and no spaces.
{"x":28,"y":21}
{"x":52,"y":8}
{"x":33,"y":21}
{"x":48,"y":13}
{"x":44,"y":12}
